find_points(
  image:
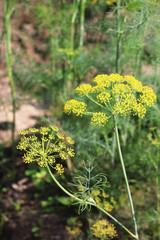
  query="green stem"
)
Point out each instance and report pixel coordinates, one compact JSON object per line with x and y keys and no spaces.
{"x":126,"y":179}
{"x":75,"y":11}
{"x":82,"y":16}
{"x":140,"y":49}
{"x":119,"y":35}
{"x":109,"y":215}
{"x":7,"y":13}
{"x":92,"y":203}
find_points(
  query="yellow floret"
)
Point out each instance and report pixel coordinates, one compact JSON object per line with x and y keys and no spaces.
{"x":135,"y":84}
{"x":104,"y":97}
{"x":103,"y":229}
{"x":99,"y":119}
{"x":115,"y":78}
{"x":76,"y":107}
{"x":84,"y":89}
{"x":59,"y":168}
{"x":148,"y":96}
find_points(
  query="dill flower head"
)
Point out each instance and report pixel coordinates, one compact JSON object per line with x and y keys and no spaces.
{"x":115,"y":95}
{"x":74,"y":229}
{"x":102,"y":229}
{"x":45,"y":146}
{"x":76,"y":107}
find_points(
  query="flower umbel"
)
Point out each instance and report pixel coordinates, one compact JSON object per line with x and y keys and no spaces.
{"x":45,"y":147}
{"x":104,"y":230}
{"x":116,"y":95}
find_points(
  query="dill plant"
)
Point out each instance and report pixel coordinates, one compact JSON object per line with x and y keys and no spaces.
{"x":49,"y":147}
{"x":115,"y":95}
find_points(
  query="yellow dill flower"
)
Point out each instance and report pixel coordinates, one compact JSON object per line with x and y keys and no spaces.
{"x":107,"y":206}
{"x":105,"y":195}
{"x":153,"y":128}
{"x":54,"y":128}
{"x":22,"y":132}
{"x":78,"y":108}
{"x":98,"y":201}
{"x":75,"y":231}
{"x":33,"y":130}
{"x":103,"y":229}
{"x":99,"y":119}
{"x":155,"y":141}
{"x":44,"y":130}
{"x":113,"y":201}
{"x":95,"y":192}
{"x":104,"y":97}
{"x":102,"y":81}
{"x":115,"y":78}
{"x":108,"y":2}
{"x":60,"y":135}
{"x":59,"y":168}
{"x":135,"y":84}
{"x":84,"y":89}
{"x":70,"y":152}
{"x":119,"y":90}
{"x":149,"y":136}
{"x":69,"y":140}
{"x":63,"y":155}
{"x":94,"y":1}
{"x":46,"y":148}
{"x":62,"y":145}
{"x":117,"y":95}
{"x":139,"y":109}
{"x":148,"y":96}
{"x":123,"y":107}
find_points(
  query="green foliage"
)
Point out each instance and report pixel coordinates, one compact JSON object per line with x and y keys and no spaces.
{"x":131,"y":40}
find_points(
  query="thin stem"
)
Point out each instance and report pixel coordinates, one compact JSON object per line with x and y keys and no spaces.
{"x":126,"y":179}
{"x":94,"y":101}
{"x":92,"y":203}
{"x":109,"y":215}
{"x":75,"y":11}
{"x":141,"y":44}
{"x":7,"y":13}
{"x":83,"y":2}
{"x":119,"y":35}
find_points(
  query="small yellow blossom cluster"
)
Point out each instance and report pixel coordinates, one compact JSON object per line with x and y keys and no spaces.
{"x":76,"y":107}
{"x":108,"y":2}
{"x":44,"y":145}
{"x":99,"y":119}
{"x":116,"y":95}
{"x":103,"y":200}
{"x":104,"y":230}
{"x":153,"y":138}
{"x":75,"y":230}
{"x":68,"y":51}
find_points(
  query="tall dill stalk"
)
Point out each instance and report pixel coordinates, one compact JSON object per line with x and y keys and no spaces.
{"x":82,"y":17}
{"x":126,"y":179}
{"x":8,"y":9}
{"x":75,"y":11}
{"x":119,"y":35}
{"x":52,"y":44}
{"x":63,"y":46}
{"x":87,"y":202}
{"x":140,"y":47}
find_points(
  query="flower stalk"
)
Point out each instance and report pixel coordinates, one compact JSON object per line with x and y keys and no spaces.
{"x":92,"y":203}
{"x":8,"y":9}
{"x":82,"y":16}
{"x":125,"y":177}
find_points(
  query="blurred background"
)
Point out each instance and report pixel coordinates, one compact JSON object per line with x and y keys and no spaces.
{"x":47,"y":49}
